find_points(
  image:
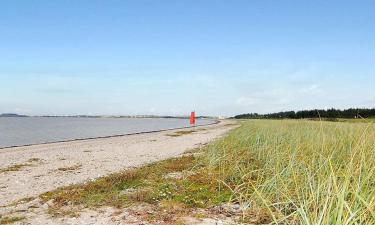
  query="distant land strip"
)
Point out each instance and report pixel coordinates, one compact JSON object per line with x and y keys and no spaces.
{"x":109,"y":116}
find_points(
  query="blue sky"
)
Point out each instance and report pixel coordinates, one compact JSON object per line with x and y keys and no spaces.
{"x":169,"y":57}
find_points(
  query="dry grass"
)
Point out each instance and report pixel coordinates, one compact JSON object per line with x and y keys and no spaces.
{"x":10,"y":220}
{"x":70,"y":168}
{"x":20,"y":166}
{"x":13,"y":168}
{"x":23,"y":200}
{"x":181,"y":133}
{"x":34,"y":160}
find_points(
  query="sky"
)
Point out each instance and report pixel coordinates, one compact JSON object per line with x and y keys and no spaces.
{"x":168,"y":57}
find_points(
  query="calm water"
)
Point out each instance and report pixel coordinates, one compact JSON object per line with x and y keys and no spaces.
{"x":36,"y":130}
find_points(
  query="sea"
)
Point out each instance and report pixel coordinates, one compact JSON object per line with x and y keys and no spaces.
{"x":20,"y":131}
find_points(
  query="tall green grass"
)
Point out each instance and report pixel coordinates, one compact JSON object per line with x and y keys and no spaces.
{"x":300,"y":172}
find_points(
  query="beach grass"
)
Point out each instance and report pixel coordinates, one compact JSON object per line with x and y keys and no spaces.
{"x":300,"y":172}
{"x":279,"y":171}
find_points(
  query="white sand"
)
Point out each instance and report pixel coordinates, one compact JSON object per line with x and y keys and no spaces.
{"x":90,"y":159}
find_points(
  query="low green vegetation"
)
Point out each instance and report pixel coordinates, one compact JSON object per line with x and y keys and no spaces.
{"x":180,"y":133}
{"x":20,"y":166}
{"x":10,"y":220}
{"x":70,"y":168}
{"x":280,"y":171}
{"x":15,"y":167}
{"x":32,"y":160}
{"x":22,"y":201}
{"x":185,"y":132}
{"x":181,"y":182}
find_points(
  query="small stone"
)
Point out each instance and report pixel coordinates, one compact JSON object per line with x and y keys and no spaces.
{"x":236,"y":206}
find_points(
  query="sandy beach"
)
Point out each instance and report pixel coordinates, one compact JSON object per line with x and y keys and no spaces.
{"x":32,"y":170}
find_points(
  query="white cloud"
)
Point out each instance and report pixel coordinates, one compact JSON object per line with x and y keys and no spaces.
{"x":281,"y":98}
{"x":246,"y":101}
{"x":312,"y":89}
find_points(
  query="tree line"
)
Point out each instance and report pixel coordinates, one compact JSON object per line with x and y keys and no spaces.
{"x":316,"y":113}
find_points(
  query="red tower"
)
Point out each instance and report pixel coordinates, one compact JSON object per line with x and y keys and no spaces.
{"x":192,"y":118}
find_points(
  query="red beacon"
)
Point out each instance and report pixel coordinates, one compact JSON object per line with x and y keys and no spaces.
{"x":192,"y":118}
